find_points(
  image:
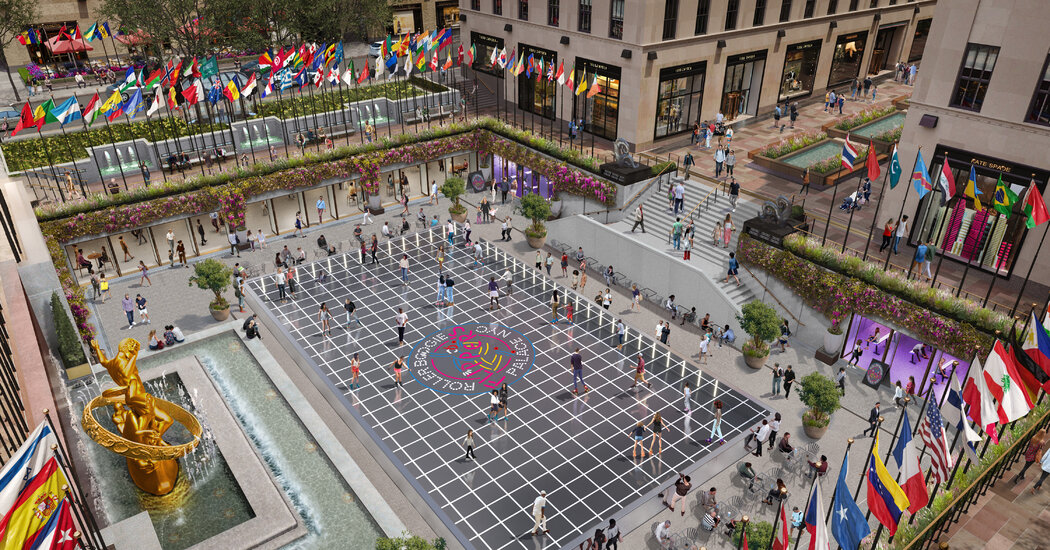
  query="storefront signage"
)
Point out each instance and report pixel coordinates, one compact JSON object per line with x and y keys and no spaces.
{"x":602,"y":69}
{"x":538,"y":53}
{"x":804,"y":45}
{"x":745,"y":57}
{"x":1021,"y":173}
{"x":486,"y":40}
{"x":683,"y":70}
{"x":848,"y":37}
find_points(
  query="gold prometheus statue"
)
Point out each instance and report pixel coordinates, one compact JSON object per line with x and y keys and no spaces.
{"x":141,"y":420}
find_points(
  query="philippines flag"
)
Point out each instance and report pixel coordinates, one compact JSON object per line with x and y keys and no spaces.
{"x":1037,"y":344}
{"x":818,"y":532}
{"x":908,"y":463}
{"x":849,"y":154}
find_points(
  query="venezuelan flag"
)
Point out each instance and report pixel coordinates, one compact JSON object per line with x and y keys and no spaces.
{"x":886,"y":499}
{"x":34,"y":507}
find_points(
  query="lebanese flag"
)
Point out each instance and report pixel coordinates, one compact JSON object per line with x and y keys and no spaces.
{"x":872,"y":162}
{"x":1004,"y":382}
{"x":780,"y":538}
{"x":979,"y":398}
{"x":26,"y":119}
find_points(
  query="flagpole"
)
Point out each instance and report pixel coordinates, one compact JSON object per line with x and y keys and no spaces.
{"x":871,"y":451}
{"x":266,"y":129}
{"x":105,"y":50}
{"x":999,"y":261}
{"x":359,"y":125}
{"x":54,"y":173}
{"x":831,"y":505}
{"x":153,"y":138}
{"x":851,"y":212}
{"x":116,"y":155}
{"x":348,"y":121}
{"x":233,"y":139}
{"x":76,"y":170}
{"x":831,"y":207}
{"x":776,"y":521}
{"x":1029,"y":274}
{"x":174,"y":135}
{"x":247,"y":127}
{"x":893,"y":237}
{"x":878,"y":207}
{"x":313,"y":107}
{"x":204,"y":144}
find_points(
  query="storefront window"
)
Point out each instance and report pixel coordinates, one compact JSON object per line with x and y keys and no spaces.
{"x":984,"y":238}
{"x":743,"y":84}
{"x":880,"y":51}
{"x":800,"y":69}
{"x":918,"y":42}
{"x":484,"y":45}
{"x":537,"y":95}
{"x":523,"y":180}
{"x":404,"y":22}
{"x":680,"y":98}
{"x":845,"y":62}
{"x":601,"y":111}
{"x":450,"y":14}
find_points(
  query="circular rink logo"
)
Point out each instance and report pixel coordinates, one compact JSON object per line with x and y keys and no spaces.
{"x":471,"y":359}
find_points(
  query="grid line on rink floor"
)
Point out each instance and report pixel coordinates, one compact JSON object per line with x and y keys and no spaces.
{"x":577,"y":449}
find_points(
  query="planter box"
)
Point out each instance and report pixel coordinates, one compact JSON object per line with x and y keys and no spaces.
{"x":881,"y":147}
{"x":794,"y":173}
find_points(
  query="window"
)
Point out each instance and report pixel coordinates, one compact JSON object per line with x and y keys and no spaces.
{"x":552,"y":13}
{"x":616,"y":19}
{"x":811,"y":5}
{"x":497,"y":7}
{"x":1039,"y":112}
{"x":853,"y":5}
{"x":475,"y":5}
{"x":523,"y":10}
{"x":874,"y":3}
{"x":760,"y":13}
{"x":703,"y":8}
{"x":585,"y":16}
{"x":833,"y":6}
{"x":785,"y":11}
{"x":732,"y":6}
{"x":974,"y":76}
{"x":670,"y":18}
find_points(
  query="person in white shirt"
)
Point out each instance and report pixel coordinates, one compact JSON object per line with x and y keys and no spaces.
{"x":401,"y":319}
{"x":612,"y":535}
{"x":450,"y":232}
{"x":386,"y":230}
{"x":233,"y":244}
{"x":663,"y":534}
{"x":538,"y":507}
{"x":761,"y":435}
{"x":902,"y":230}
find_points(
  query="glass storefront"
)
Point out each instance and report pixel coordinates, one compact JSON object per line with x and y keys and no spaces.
{"x":743,"y":84}
{"x":918,"y":42}
{"x":600,"y":112}
{"x":800,"y":69}
{"x":448,"y":14}
{"x":523,"y":179}
{"x":680,"y":98}
{"x":484,"y":45}
{"x":880,"y":50}
{"x":536,"y":94}
{"x":845,"y":62}
{"x":406,"y":20}
{"x":984,"y":238}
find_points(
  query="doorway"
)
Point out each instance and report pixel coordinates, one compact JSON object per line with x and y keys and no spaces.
{"x":880,"y":55}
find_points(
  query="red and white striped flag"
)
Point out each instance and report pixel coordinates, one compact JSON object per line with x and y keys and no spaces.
{"x":781,"y":537}
{"x":932,"y":432}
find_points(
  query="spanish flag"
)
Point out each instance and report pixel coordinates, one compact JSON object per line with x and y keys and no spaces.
{"x":35,"y":506}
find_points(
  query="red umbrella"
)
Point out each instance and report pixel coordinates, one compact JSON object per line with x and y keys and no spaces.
{"x":134,"y":39}
{"x":63,"y":44}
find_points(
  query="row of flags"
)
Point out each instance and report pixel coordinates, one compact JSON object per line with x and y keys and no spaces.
{"x":95,"y":31}
{"x":545,"y":70}
{"x":35,"y":503}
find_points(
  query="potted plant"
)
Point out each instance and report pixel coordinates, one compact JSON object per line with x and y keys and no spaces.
{"x":213,"y":275}
{"x":453,"y":188}
{"x":834,"y":337}
{"x":759,"y":534}
{"x":760,"y":321}
{"x":537,"y":209}
{"x":70,"y":349}
{"x":820,"y":394}
{"x":556,"y":206}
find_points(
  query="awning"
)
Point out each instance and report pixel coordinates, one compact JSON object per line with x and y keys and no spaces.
{"x":134,"y":39}
{"x":58,"y":45}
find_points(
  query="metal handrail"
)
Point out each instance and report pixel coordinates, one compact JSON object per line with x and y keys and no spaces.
{"x":774,"y":296}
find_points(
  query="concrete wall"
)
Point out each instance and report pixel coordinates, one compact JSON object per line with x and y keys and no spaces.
{"x":652,"y":268}
{"x":813,"y":325}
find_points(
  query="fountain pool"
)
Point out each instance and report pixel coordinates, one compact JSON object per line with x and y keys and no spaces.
{"x":815,"y":154}
{"x":881,"y":125}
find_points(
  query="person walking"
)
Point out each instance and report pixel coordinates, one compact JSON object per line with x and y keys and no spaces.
{"x":504,"y":397}
{"x":678,"y":193}
{"x":774,"y":427}
{"x":397,"y":365}
{"x":144,"y":274}
{"x":727,"y":230}
{"x":636,"y":297}
{"x":657,"y":424}
{"x":549,"y":263}
{"x":200,"y":233}
{"x":789,"y":378}
{"x":621,"y":333}
{"x":688,"y":249}
{"x":140,"y":303}
{"x":468,"y":442}
{"x":639,"y":373}
{"x":1031,"y":453}
{"x":688,"y":161}
{"x":129,"y":309}
{"x":349,"y":306}
{"x":639,"y":219}
{"x":180,"y":251}
{"x":720,"y":157}
{"x":778,"y":376}
{"x":730,"y":162}
{"x":840,"y":381}
{"x":554,"y":306}
{"x":900,"y":232}
{"x":676,"y":233}
{"x":887,"y":235}
{"x":873,"y":420}
{"x":794,"y":113}
{"x":734,"y":193}
{"x":687,"y":401}
{"x":320,"y":208}
{"x":401,"y":321}
{"x":124,"y":248}
{"x":716,"y":424}
{"x":403,"y":264}
{"x":325,"y":316}
{"x":705,"y":342}
{"x":681,"y":488}
{"x":734,"y":268}
{"x":538,"y":514}
{"x":493,"y":294}
{"x":776,"y":116}
{"x":374,"y":248}
{"x":760,"y":435}
{"x":576,"y":361}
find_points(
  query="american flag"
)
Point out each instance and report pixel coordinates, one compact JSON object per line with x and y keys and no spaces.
{"x":933,"y":436}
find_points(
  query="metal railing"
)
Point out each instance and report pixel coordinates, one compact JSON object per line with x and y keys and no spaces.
{"x":773,"y":296}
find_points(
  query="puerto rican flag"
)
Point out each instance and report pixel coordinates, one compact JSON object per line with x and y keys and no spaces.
{"x":849,"y":154}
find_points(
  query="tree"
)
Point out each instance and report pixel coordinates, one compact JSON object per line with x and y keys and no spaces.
{"x":453,"y":188}
{"x":761,"y":322}
{"x":15,"y":17}
{"x":69,"y":345}
{"x":537,"y":209}
{"x":213,"y":275}
{"x":188,"y":25}
{"x":820,"y":394}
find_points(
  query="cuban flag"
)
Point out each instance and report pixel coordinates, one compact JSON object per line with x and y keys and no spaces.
{"x":849,"y":154}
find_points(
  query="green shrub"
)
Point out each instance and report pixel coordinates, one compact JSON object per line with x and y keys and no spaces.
{"x":865,"y":116}
{"x":760,"y":321}
{"x":69,"y":348}
{"x":759,"y":534}
{"x":792,"y":144}
{"x":406,"y":542}
{"x":537,"y":209}
{"x":664,"y":167}
{"x":213,"y":275}
{"x":820,"y":394}
{"x":453,"y":188}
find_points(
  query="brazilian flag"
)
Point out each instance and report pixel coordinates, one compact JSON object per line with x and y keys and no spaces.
{"x":1003,"y":199}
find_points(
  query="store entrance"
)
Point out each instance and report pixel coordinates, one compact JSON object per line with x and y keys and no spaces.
{"x":880,"y":55}
{"x":743,"y":84}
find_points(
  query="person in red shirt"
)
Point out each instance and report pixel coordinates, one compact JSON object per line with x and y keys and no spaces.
{"x":639,"y":373}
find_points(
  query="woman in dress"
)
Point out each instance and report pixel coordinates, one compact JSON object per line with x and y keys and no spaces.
{"x":145,"y":274}
{"x":504,"y":394}
{"x":727,"y":230}
{"x":440,"y":255}
{"x":325,"y":316}
{"x":636,"y":297}
{"x":583,"y":275}
{"x":716,"y":426}
{"x":657,"y":424}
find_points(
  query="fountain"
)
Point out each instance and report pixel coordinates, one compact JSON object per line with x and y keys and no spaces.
{"x":142,"y":420}
{"x":109,"y":168}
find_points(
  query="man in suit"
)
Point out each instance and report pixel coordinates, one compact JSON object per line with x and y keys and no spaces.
{"x":873,"y":420}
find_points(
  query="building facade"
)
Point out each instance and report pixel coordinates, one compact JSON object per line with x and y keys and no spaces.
{"x":423,"y":15}
{"x":982,"y":102}
{"x":53,"y":15}
{"x":663,"y":64}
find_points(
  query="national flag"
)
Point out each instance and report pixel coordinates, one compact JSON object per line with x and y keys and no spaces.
{"x":872,"y":162}
{"x":1034,"y":207}
{"x":266,"y":59}
{"x":920,"y":177}
{"x":232,"y":91}
{"x":364,"y":75}
{"x":972,"y":190}
{"x":977,"y":395}
{"x":128,"y":82}
{"x":895,"y":168}
{"x":319,"y":77}
{"x":68,"y":111}
{"x":391,"y":62}
{"x":76,"y":34}
{"x":23,"y":38}
{"x":459,"y":56}
{"x":956,"y":416}
{"x":946,"y":181}
{"x":25,"y":463}
{"x":743,"y":539}
{"x":560,"y":75}
{"x":1000,"y":372}
{"x":301,"y":78}
{"x":539,"y":70}
{"x":249,"y":87}
{"x":333,"y":76}
{"x":195,"y":68}
{"x":815,"y":523}
{"x":155,"y":78}
{"x":268,"y":88}
{"x":503,"y":58}
{"x":471,"y":53}
{"x":848,"y":524}
{"x":195,"y":93}
{"x":112,"y":105}
{"x":933,"y":436}
{"x":384,"y":48}
{"x":907,"y":457}
{"x":446,"y":39}
{"x":173,"y":99}
{"x":568,"y":78}
{"x":209,"y":67}
{"x":337,"y":54}
{"x":408,"y":63}
{"x":595,"y":88}
{"x":530,"y":64}
{"x":1031,"y":373}
{"x":58,"y":533}
{"x":519,"y":65}
{"x":171,"y":74}
{"x":492,"y":58}
{"x":781,"y":537}
{"x":448,"y":62}
{"x":215,"y":93}
{"x":583,"y":83}
{"x":89,"y":34}
{"x":421,"y":61}
{"x":92,"y":110}
{"x":550,"y":72}
{"x":104,"y":30}
{"x":849,"y":154}
{"x":1037,"y":344}
{"x":1003,"y":198}
{"x":155,"y":104}
{"x":42,"y":115}
{"x":886,"y":499}
{"x":434,"y":61}
{"x":34,"y":506}
{"x":133,"y":105}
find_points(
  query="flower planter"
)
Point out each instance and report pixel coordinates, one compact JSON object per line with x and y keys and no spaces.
{"x":814,"y":432}
{"x":375,"y":204}
{"x":555,"y":209}
{"x":756,"y":362}
{"x":536,"y":242}
{"x":833,"y":342}
{"x":220,"y":314}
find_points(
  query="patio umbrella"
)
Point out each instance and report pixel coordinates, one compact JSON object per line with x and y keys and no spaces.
{"x":134,"y":39}
{"x":60,"y":45}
